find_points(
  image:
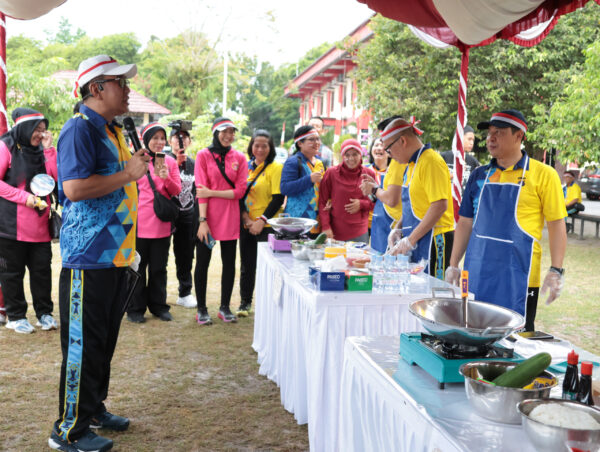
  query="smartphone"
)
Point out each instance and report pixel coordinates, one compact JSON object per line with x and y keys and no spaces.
{"x":159,"y":156}
{"x":210,"y":242}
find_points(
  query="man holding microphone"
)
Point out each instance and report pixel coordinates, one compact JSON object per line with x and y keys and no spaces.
{"x":96,"y":181}
{"x":501,"y":220}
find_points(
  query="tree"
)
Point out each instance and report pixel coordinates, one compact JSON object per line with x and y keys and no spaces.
{"x":64,"y":34}
{"x":399,"y":74}
{"x":573,"y":123}
{"x":181,"y":73}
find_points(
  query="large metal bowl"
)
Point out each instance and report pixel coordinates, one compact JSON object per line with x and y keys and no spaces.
{"x":292,"y":226}
{"x":550,"y":438}
{"x":442,"y":317}
{"x":496,"y":402}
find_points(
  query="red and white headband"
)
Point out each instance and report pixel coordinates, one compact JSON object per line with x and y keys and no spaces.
{"x":398,"y":125}
{"x":225,"y":124}
{"x":347,"y":146}
{"x":153,"y":125}
{"x":509,"y":119}
{"x":31,"y":117}
{"x":306,"y":135}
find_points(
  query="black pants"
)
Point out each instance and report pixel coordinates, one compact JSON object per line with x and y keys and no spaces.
{"x":531,"y":308}
{"x":203,"y":255}
{"x":441,"y":248}
{"x":248,"y":248}
{"x":91,"y":308}
{"x":151,"y":290}
{"x":14,"y":257}
{"x":184,"y":239}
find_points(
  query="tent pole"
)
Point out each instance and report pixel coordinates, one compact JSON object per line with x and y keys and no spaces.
{"x":3,"y":76}
{"x":461,"y":122}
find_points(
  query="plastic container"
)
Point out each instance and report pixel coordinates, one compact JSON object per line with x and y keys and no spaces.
{"x":334,"y":251}
{"x":378,"y":273}
{"x":571,"y":382}
{"x":585,"y":384}
{"x":403,"y":266}
{"x":391,"y":274}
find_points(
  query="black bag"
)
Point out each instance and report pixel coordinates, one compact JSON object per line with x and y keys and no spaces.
{"x":165,"y":209}
{"x":54,"y":224}
{"x":579,"y":207}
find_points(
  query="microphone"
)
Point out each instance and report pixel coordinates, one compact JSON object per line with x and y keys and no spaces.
{"x":133,"y":136}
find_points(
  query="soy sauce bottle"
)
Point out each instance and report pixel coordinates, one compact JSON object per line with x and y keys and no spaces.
{"x":571,"y":381}
{"x":585,"y":386}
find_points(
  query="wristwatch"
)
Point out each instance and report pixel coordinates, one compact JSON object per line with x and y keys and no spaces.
{"x":201,"y":219}
{"x":560,"y":271}
{"x":373,"y":195}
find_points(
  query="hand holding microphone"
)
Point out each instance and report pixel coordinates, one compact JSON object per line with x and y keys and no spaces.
{"x":137,"y":166}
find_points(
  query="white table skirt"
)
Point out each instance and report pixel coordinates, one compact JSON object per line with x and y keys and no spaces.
{"x":388,"y":405}
{"x":299,"y":336}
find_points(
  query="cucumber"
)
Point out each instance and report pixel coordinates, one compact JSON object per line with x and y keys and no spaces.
{"x":321,"y":238}
{"x":524,"y":373}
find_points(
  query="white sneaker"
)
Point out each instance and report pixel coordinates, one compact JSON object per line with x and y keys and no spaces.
{"x":189,"y":301}
{"x":47,"y":323}
{"x":2,"y":318}
{"x":20,"y":326}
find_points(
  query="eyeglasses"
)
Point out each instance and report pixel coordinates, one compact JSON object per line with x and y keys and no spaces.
{"x":123,"y":82}
{"x":387,"y":148}
{"x":312,"y":140}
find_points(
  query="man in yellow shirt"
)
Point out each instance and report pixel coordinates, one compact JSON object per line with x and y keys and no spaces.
{"x":501,"y":220}
{"x":427,"y":213}
{"x":572,"y":193}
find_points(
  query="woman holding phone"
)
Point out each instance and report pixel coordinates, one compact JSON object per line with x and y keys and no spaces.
{"x":220,"y":174}
{"x":153,"y":235}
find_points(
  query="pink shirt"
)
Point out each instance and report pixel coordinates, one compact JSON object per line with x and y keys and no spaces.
{"x":148,"y":224}
{"x":223,"y":215}
{"x":31,"y":227}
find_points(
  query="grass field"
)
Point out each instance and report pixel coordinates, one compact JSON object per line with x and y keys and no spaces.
{"x":191,"y":388}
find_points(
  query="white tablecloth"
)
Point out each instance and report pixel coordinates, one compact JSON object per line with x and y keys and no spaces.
{"x":388,"y":405}
{"x":299,"y":336}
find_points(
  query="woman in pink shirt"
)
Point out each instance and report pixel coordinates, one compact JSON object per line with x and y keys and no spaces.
{"x":153,"y":235}
{"x":220,"y":174}
{"x":24,"y":233}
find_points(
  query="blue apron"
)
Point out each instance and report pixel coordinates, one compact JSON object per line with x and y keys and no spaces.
{"x":411,"y":221}
{"x":499,"y":253}
{"x":381,"y":224}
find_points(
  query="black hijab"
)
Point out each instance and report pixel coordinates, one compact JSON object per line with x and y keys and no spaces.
{"x":26,"y":160}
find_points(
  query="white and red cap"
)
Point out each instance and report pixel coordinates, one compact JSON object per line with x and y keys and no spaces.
{"x":101,"y":65}
{"x":350,"y":144}
{"x":310,"y":133}
{"x":222,"y":123}
{"x":399,"y":125}
{"x":504,"y":119}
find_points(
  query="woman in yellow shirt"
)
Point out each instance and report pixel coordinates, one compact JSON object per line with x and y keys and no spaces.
{"x":263,"y":200}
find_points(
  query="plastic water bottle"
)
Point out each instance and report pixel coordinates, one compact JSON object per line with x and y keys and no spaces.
{"x":377,"y":272}
{"x":389,"y":266}
{"x":403,"y":273}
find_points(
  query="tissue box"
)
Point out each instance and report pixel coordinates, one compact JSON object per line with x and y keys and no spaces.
{"x":326,"y":280}
{"x":362,"y":282}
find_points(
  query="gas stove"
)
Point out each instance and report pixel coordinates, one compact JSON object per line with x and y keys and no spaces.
{"x":442,"y":360}
{"x":280,"y":242}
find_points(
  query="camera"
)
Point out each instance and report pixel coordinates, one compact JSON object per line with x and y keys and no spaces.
{"x":181,"y":125}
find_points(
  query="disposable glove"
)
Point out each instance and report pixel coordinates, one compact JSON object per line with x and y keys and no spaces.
{"x":553,"y":282}
{"x":394,"y":237}
{"x":453,"y":276}
{"x":404,"y":246}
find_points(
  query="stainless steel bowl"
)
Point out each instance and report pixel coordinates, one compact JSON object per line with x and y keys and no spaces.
{"x":315,"y":252}
{"x":487,"y":323}
{"x":292,"y":226}
{"x":495,"y":402}
{"x":299,"y":249}
{"x":550,"y":438}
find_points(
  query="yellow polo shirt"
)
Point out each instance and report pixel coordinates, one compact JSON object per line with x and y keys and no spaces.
{"x":267,"y":185}
{"x":429,"y":182}
{"x":394,"y":176}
